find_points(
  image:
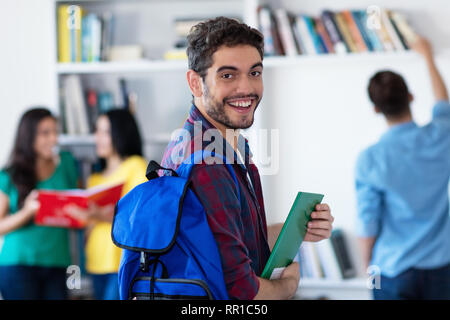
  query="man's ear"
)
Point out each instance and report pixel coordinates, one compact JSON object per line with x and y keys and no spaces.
{"x":377,"y":110}
{"x":410,"y":98}
{"x":195,"y":83}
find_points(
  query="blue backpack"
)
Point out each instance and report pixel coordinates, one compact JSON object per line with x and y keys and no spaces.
{"x":169,"y":251}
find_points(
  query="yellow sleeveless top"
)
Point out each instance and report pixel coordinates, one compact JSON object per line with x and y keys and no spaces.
{"x":102,"y":256}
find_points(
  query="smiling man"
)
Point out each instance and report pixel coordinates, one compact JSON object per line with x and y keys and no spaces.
{"x":225,"y":79}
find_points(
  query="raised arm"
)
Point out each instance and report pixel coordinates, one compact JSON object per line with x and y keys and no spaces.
{"x":423,"y":47}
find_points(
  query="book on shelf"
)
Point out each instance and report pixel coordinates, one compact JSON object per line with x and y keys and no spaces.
{"x":345,"y":31}
{"x":402,"y":25}
{"x":83,"y":36}
{"x":322,"y":32}
{"x":329,"y":22}
{"x":342,"y":254}
{"x":181,"y":27}
{"x":286,"y":33}
{"x":355,"y":32}
{"x":358,"y":19}
{"x":327,"y":259}
{"x":304,"y":36}
{"x":52,"y":210}
{"x":339,"y":32}
{"x":80,"y":107}
{"x":75,"y":112}
{"x":69,"y":33}
{"x":265,"y":26}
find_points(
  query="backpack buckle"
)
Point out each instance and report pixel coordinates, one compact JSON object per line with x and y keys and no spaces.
{"x":144,"y":262}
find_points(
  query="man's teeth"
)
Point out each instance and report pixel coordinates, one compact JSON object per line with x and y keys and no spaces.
{"x":243,"y":104}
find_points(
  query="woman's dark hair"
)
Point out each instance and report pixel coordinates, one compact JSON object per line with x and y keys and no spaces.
{"x":389,"y":93}
{"x":125,"y":136}
{"x":206,"y":37}
{"x":22,"y":161}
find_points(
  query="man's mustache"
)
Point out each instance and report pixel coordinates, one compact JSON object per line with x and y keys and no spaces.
{"x":252,"y":96}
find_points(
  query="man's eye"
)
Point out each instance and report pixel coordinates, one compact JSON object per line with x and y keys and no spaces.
{"x":227,"y":76}
{"x":256,"y":73}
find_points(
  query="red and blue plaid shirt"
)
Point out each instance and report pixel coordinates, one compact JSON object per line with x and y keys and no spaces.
{"x":238,"y":223}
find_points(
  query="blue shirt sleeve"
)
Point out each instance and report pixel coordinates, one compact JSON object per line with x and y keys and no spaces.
{"x":369,"y":199}
{"x":441,"y":113}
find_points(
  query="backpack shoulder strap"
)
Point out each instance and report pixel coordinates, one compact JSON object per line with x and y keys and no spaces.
{"x":185,"y":169}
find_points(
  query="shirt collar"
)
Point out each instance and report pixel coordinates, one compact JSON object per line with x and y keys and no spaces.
{"x":399,"y":129}
{"x":243,"y":147}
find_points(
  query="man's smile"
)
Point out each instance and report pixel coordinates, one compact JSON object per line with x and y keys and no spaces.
{"x":241,"y":105}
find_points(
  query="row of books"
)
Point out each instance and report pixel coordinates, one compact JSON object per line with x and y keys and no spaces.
{"x":83,"y":37}
{"x":326,"y":259}
{"x":333,"y":32}
{"x":80,"y":108}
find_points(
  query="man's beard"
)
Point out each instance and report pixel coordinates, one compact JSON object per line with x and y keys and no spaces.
{"x":216,"y":110}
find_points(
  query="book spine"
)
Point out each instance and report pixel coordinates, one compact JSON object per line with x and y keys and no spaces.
{"x":312,"y":31}
{"x":305,"y":35}
{"x":279,"y":49}
{"x":402,"y":39}
{"x":324,"y":36}
{"x":78,"y":31}
{"x":266,"y":30}
{"x":384,"y":37}
{"x":354,"y":31}
{"x":313,"y":261}
{"x":342,"y":256}
{"x":63,"y":34}
{"x":286,"y":35}
{"x":328,"y":260}
{"x":92,"y":108}
{"x":305,"y":268}
{"x":76,"y":102}
{"x":106,"y":37}
{"x":298,"y":38}
{"x":335,"y":35}
{"x":85,"y":39}
{"x":391,"y":31}
{"x":74,"y":25}
{"x":96,"y":35}
{"x":373,"y":36}
{"x":362,"y":30}
{"x":342,"y":26}
{"x":407,"y":32}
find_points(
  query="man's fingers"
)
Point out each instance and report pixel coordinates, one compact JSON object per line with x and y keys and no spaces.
{"x":320,"y":224}
{"x":312,"y":238}
{"x":324,"y":215}
{"x":323,"y":207}
{"x":322,"y":233}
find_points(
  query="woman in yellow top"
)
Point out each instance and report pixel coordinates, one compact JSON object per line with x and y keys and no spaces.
{"x":119,"y":146}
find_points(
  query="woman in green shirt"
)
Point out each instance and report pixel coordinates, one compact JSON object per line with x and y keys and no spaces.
{"x":33,"y":259}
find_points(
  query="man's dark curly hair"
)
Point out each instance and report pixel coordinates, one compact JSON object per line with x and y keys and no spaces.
{"x":389,"y":92}
{"x":206,"y":37}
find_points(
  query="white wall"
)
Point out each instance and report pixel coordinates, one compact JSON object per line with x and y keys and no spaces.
{"x":26,"y":62}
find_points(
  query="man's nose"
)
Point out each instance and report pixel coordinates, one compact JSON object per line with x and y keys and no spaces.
{"x":245,"y":86}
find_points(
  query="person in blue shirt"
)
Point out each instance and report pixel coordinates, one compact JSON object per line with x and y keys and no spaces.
{"x":402,"y":191}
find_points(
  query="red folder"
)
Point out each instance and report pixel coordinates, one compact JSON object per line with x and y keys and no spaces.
{"x":52,"y":203}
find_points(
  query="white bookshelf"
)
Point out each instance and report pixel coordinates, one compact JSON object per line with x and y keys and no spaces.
{"x":144,"y":66}
{"x":348,"y":289}
{"x":66,"y":140}
{"x":353,"y":283}
{"x":153,"y":66}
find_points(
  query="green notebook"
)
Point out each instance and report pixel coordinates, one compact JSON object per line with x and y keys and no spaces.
{"x":292,"y":233}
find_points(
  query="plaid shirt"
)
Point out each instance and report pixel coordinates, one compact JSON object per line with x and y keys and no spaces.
{"x":239,"y":227}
